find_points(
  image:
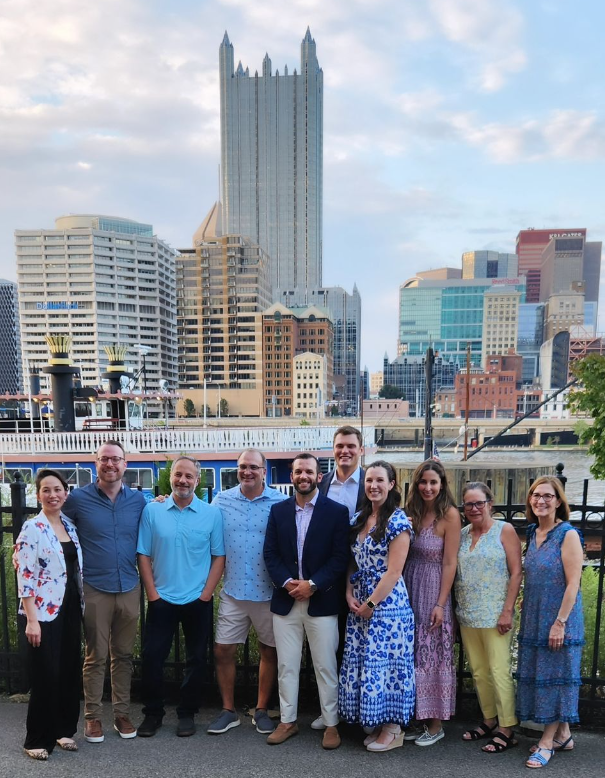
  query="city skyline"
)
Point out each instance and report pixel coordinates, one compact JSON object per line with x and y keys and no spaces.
{"x":449,"y":126}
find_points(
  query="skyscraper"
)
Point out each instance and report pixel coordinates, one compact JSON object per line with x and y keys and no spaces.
{"x":10,"y":346}
{"x":102,"y":280}
{"x":272,"y":165}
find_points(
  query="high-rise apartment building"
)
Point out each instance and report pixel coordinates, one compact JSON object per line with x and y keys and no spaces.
{"x":287,"y":333}
{"x":447,"y":315}
{"x":489,"y":264}
{"x":500,"y":323}
{"x":102,"y":280}
{"x":10,"y":340}
{"x":272,"y":165}
{"x":223,"y":286}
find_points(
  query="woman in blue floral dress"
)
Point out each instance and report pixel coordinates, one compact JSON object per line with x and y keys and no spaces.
{"x":377,"y":687}
{"x":552,"y":625}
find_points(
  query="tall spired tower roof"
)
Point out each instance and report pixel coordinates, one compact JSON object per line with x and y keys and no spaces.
{"x":212,"y":226}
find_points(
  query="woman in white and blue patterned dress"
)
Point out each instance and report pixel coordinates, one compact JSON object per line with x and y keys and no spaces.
{"x":377,"y":688}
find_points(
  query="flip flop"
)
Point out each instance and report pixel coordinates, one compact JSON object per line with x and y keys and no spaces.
{"x":483,"y":730}
{"x":509,"y":742}
{"x":540,"y":758}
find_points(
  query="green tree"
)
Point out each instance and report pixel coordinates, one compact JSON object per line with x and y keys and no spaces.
{"x":224,"y":407}
{"x":189,"y":408}
{"x":163,"y":481}
{"x":391,"y":392}
{"x":589,"y":398}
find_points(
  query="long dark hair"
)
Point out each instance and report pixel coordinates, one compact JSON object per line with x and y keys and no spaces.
{"x":415,"y":505}
{"x":385,"y":511}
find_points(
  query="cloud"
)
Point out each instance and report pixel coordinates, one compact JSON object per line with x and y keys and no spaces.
{"x":492,"y":31}
{"x":561,"y":135}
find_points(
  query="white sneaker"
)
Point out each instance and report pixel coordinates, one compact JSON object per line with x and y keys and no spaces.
{"x":318,"y":723}
{"x":426,"y":739}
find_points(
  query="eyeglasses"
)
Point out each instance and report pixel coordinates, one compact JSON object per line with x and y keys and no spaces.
{"x":113,"y":460}
{"x":254,"y":468}
{"x":480,"y":504}
{"x":545,"y":497}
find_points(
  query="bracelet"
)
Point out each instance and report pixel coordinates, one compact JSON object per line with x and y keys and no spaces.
{"x":439,"y":606}
{"x":562,"y":622}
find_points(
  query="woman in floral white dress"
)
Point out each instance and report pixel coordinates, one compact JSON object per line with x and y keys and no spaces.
{"x":376,"y":686}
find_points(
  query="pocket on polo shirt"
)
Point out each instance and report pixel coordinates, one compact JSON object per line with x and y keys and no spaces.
{"x":197,"y":539}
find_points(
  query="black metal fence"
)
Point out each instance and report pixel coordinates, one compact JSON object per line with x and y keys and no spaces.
{"x":590,"y":519}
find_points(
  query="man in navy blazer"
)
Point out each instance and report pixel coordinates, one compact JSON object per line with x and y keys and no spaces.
{"x":307,"y":552}
{"x":345,"y":483}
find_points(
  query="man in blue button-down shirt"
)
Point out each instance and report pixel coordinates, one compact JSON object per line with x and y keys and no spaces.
{"x":181,"y":559}
{"x":107,"y":515}
{"x":246,"y":596}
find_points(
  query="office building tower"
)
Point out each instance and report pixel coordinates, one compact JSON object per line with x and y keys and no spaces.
{"x":447,"y":315}
{"x":310,"y":385}
{"x":101,"y":280}
{"x":344,"y":310}
{"x":376,"y":383}
{"x":500,"y":323}
{"x":440,"y":273}
{"x":10,"y":340}
{"x":408,"y":374}
{"x":223,"y":286}
{"x":286,"y":334}
{"x":272,"y":165}
{"x":529,"y":248}
{"x":489,"y":264}
{"x":554,"y":362}
{"x":562,"y":312}
{"x":530,"y":337}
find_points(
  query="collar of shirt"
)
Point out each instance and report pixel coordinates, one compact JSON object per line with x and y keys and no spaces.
{"x":353,"y":477}
{"x":310,"y":502}
{"x":194,"y":505}
{"x":98,"y":488}
{"x":241,"y":496}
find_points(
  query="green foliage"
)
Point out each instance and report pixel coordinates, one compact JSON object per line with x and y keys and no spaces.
{"x":590,"y":591}
{"x":163,"y":481}
{"x":391,"y":392}
{"x":304,"y":423}
{"x":580,"y":428}
{"x":590,"y":398}
{"x":224,"y":407}
{"x":189,"y":408}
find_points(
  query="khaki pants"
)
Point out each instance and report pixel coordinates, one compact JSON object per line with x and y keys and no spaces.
{"x":110,"y":628}
{"x":489,"y":657}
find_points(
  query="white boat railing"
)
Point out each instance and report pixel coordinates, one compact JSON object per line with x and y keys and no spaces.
{"x":267,"y":439}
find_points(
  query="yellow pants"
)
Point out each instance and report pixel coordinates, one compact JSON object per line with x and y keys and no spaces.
{"x":488,"y":654}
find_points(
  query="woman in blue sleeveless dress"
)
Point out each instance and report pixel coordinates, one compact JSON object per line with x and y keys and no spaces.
{"x":552,"y":624}
{"x":376,"y":686}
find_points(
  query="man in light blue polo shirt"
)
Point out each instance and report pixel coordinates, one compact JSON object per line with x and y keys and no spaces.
{"x":246,"y":596}
{"x":181,"y":560}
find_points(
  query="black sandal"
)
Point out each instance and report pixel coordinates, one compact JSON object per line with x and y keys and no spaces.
{"x":509,"y":742}
{"x":483,"y":730}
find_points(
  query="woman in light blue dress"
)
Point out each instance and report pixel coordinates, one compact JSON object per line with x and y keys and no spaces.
{"x":377,"y":688}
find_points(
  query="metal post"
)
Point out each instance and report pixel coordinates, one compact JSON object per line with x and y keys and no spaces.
{"x":428,"y":432}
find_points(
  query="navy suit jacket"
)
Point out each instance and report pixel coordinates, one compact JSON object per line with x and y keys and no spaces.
{"x":325,"y":555}
{"x":325,"y":482}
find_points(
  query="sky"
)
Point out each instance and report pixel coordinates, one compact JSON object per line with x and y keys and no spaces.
{"x":449,"y":125}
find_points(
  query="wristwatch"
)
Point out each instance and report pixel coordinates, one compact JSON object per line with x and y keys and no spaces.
{"x":371,"y":605}
{"x":313,"y":586}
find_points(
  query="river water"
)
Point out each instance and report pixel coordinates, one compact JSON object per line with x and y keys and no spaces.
{"x":577,"y":464}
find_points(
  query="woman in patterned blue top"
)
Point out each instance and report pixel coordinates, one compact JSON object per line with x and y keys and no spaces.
{"x":552,"y":625}
{"x":377,"y":687}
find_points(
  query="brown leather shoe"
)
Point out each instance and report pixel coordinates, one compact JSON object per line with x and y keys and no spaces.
{"x":331,"y":738}
{"x":283,"y":732}
{"x":93,"y":732}
{"x":124,"y":727}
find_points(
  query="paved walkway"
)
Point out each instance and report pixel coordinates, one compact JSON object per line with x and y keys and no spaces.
{"x":243,"y":753}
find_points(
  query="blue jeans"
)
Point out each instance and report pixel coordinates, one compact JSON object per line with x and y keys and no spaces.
{"x":162,"y":622}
